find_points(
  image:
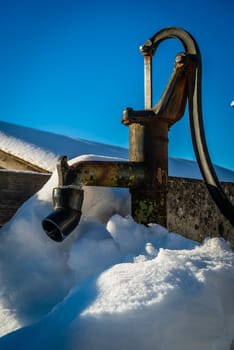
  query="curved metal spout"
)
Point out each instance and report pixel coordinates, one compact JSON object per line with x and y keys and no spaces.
{"x":67,"y":203}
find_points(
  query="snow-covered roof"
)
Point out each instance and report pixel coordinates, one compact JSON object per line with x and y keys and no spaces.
{"x":43,"y":149}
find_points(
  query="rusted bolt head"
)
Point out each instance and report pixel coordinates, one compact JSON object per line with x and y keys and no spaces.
{"x":181,"y":59}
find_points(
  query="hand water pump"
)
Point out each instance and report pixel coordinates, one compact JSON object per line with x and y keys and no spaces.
{"x":146,"y":172}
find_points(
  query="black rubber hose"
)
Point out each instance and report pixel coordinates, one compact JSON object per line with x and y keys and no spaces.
{"x":196,"y":118}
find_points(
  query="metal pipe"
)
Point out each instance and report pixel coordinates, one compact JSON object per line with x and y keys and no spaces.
{"x":149,"y":202}
{"x":101,"y":173}
{"x":148,"y":143}
{"x":148,"y":81}
{"x":68,"y":196}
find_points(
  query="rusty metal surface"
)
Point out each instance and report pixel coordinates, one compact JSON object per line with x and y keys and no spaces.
{"x":150,"y":199}
{"x":101,"y":173}
{"x":148,"y":206}
{"x":148,"y":140}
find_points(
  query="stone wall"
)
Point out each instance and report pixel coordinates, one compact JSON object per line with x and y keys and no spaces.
{"x":15,"y":188}
{"x":191,"y":210}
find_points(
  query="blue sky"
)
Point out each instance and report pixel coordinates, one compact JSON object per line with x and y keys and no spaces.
{"x":72,"y":67}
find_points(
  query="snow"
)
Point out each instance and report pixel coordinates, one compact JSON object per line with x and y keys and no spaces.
{"x":43,"y":149}
{"x":112,"y":284}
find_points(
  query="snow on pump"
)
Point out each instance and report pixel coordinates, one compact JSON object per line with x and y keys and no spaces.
{"x":146,"y":172}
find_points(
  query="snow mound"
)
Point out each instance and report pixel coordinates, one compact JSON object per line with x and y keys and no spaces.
{"x":112,"y":284}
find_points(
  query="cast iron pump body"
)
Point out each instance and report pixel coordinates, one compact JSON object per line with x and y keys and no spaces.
{"x":146,"y":172}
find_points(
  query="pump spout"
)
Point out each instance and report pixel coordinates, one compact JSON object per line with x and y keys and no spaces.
{"x":67,"y":204}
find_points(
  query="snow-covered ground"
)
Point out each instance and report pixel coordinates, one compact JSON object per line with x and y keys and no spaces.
{"x":112,"y":284}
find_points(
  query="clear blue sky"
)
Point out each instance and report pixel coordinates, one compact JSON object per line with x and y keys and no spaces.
{"x":72,"y":67}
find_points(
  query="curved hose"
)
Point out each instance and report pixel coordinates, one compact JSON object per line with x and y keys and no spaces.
{"x":195,"y":115}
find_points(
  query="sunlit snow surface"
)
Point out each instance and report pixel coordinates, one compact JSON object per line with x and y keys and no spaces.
{"x":113,"y":284}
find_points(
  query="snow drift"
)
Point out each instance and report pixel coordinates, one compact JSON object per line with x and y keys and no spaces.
{"x":112,"y":284}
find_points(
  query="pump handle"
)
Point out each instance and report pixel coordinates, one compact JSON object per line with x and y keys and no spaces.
{"x":195,"y":113}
